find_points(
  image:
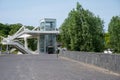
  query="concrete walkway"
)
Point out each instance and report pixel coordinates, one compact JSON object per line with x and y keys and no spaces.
{"x":48,"y":67}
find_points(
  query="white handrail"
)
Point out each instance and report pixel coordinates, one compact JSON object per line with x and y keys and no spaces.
{"x":19,"y":46}
{"x":23,"y":48}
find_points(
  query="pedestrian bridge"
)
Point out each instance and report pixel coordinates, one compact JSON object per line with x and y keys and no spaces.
{"x":45,"y":35}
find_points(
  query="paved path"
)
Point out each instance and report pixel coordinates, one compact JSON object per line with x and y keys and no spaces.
{"x":48,"y":67}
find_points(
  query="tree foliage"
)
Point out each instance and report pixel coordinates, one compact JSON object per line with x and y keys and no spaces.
{"x":82,"y":31}
{"x":114,"y":32}
{"x":9,"y":29}
{"x":14,"y":28}
{"x":107,"y":40}
{"x":4,"y":29}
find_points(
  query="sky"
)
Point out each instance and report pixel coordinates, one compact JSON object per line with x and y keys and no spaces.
{"x":30,"y":12}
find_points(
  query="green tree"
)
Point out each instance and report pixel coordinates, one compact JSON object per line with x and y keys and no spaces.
{"x":29,"y":27}
{"x":82,"y":31}
{"x":107,"y":40}
{"x":14,"y":28}
{"x":65,"y":37}
{"x":4,"y":29}
{"x":32,"y":43}
{"x":114,"y":32}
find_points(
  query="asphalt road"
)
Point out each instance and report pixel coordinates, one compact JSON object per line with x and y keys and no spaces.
{"x":48,"y":67}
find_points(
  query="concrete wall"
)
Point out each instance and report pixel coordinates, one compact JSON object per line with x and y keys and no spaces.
{"x":107,"y":61}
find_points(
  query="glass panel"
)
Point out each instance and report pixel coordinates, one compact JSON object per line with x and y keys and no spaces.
{"x":42,"y":26}
{"x":50,"y":26}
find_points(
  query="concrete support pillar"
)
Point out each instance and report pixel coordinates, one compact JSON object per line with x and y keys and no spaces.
{"x":44,"y":43}
{"x":38,"y":44}
{"x":25,"y":44}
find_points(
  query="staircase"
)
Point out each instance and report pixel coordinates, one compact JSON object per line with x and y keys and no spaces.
{"x":11,"y":40}
{"x":17,"y":45}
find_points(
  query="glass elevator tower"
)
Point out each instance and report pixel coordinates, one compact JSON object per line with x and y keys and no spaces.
{"x":47,"y":39}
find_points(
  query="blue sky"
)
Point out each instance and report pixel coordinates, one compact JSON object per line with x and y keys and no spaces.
{"x":29,"y":12}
